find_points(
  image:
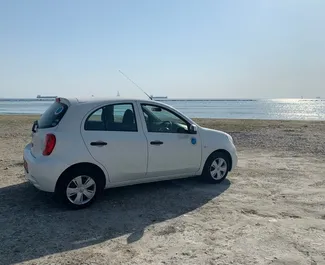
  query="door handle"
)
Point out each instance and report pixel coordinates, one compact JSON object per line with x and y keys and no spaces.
{"x":156,"y":142}
{"x":98,"y":143}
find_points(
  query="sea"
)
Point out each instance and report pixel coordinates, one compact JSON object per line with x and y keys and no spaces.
{"x":267,"y":109}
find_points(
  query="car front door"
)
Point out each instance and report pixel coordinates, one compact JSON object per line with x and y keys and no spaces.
{"x":114,"y":138}
{"x":172,"y":149}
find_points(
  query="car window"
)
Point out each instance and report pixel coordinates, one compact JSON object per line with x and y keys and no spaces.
{"x":159,"y":119}
{"x":96,"y":116}
{"x":116,"y":117}
{"x":52,"y":116}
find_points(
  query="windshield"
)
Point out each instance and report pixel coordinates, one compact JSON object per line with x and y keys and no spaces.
{"x":52,"y":116}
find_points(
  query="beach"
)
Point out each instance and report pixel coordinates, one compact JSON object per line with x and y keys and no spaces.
{"x":270,"y":210}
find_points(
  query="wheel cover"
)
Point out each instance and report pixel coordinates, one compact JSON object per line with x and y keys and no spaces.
{"x":218,"y":168}
{"x":81,"y":190}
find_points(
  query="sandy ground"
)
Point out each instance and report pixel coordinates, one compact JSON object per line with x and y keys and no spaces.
{"x":271,"y":210}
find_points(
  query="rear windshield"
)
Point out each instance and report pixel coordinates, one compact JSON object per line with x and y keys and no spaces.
{"x":52,"y":116}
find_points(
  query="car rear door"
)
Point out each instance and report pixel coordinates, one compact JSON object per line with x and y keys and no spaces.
{"x":115,"y":140}
{"x":171,"y":152}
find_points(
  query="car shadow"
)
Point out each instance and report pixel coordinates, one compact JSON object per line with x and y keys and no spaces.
{"x":33,"y":225}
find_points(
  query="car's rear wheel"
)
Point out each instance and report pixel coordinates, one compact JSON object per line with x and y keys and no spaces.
{"x":216,"y":167}
{"x":79,"y":189}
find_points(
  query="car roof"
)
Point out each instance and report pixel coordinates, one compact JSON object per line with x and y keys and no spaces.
{"x":102,"y":100}
{"x":99,"y":100}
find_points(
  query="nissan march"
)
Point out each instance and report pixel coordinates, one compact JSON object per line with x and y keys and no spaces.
{"x":80,"y":147}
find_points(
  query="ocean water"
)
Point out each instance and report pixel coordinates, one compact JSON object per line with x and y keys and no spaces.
{"x":271,"y":109}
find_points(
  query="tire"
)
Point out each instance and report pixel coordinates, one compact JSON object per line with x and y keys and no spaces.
{"x":79,"y":188}
{"x":216,"y":167}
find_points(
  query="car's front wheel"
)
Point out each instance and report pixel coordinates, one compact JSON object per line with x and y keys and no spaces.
{"x":216,"y":167}
{"x":78,"y":189}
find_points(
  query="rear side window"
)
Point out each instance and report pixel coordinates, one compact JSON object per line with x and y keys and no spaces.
{"x":116,"y":117}
{"x":52,"y":116}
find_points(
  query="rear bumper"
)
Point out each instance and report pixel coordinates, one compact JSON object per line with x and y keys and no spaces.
{"x":41,"y":172}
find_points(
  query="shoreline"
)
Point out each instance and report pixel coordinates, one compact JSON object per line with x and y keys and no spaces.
{"x":29,"y":115}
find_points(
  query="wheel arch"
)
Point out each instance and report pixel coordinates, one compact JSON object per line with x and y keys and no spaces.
{"x":224,"y":152}
{"x":83,"y":166}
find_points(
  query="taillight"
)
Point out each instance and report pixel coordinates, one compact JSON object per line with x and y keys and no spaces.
{"x":50,"y":141}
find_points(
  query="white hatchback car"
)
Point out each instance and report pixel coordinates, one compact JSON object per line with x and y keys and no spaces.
{"x":81,"y":147}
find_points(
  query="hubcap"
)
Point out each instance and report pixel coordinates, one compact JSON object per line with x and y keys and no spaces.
{"x":81,"y":190}
{"x":218,"y":168}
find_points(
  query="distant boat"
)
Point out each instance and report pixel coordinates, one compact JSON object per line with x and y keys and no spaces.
{"x":39,"y":96}
{"x":163,"y":97}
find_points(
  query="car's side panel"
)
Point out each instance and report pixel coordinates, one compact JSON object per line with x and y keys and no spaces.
{"x":212,"y":141}
{"x":180,"y":154}
{"x":70,"y":145}
{"x":149,"y":180}
{"x":69,"y":150}
{"x":125,"y":154}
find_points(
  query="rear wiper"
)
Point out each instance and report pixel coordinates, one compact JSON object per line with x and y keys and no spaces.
{"x":35,"y":124}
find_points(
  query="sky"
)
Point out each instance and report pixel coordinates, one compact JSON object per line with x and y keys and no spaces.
{"x":174,"y":48}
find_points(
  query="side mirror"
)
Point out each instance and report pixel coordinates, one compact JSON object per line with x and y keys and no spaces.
{"x":193,"y":129}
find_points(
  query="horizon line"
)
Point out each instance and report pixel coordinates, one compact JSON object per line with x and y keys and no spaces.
{"x":168,"y":99}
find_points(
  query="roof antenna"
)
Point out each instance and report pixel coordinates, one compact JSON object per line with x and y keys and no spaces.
{"x":135,"y":84}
